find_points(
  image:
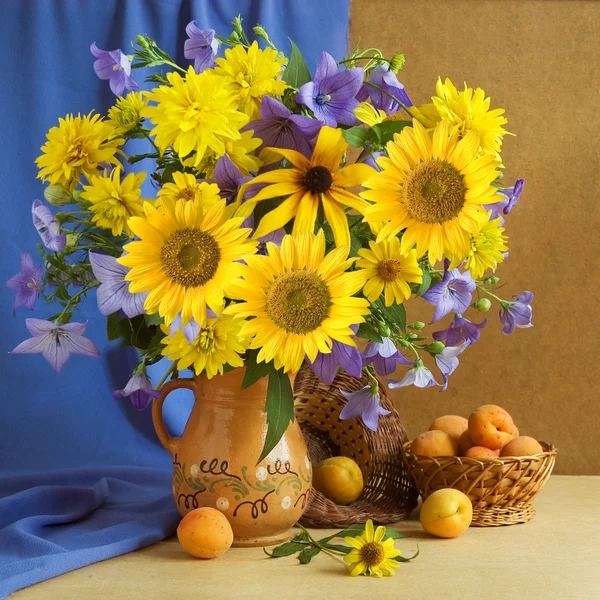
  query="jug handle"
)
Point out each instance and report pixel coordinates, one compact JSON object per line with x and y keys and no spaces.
{"x":169,"y":443}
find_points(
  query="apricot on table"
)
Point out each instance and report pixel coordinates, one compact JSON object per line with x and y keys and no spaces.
{"x":522,"y":446}
{"x":205,"y":533}
{"x":434,"y":443}
{"x":453,"y":425}
{"x":491,"y":426}
{"x":446,"y":513}
{"x":338,"y":478}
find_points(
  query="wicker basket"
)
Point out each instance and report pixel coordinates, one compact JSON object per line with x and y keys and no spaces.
{"x":389,"y":494}
{"x":501,"y":490}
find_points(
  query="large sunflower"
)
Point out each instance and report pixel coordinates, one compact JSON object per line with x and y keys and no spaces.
{"x":432,"y":187}
{"x":300,"y":298}
{"x":186,"y":258}
{"x":310,"y":183}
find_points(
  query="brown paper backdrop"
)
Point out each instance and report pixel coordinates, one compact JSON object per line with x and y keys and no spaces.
{"x":540,"y":61}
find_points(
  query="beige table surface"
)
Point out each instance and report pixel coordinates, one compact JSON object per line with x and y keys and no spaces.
{"x":554,"y":556}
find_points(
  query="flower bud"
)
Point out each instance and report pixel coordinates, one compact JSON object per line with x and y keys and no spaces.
{"x":234,"y":37}
{"x":142,"y":41}
{"x":58,"y":195}
{"x":412,"y":336}
{"x":483,"y":304}
{"x":397,"y":62}
{"x":492,"y":280}
{"x":259,"y":31}
{"x":418,"y":325}
{"x":435,"y":347}
{"x":72,"y":240}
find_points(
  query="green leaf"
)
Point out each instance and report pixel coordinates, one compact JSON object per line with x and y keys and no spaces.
{"x":153,"y":319}
{"x":396,"y":314}
{"x":134,"y":159}
{"x":254,"y":370}
{"x":385,"y":131}
{"x":356,"y":136}
{"x":395,"y":535}
{"x":287,"y":549}
{"x":355,"y":245}
{"x":308,"y":554}
{"x":425,"y":283}
{"x":351,"y":531}
{"x":301,"y":537}
{"x":296,"y":73}
{"x":408,"y":558}
{"x":141,"y":334}
{"x":368,"y":332}
{"x":279,"y":408}
{"x":112,"y":327}
{"x":338,"y":547}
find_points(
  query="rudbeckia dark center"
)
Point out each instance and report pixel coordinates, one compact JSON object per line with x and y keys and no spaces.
{"x":318,"y":180}
{"x":372,"y":553}
{"x":298,"y":301}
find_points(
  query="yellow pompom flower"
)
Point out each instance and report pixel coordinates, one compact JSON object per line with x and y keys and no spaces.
{"x":186,"y":187}
{"x":126,"y":114}
{"x":469,"y":110}
{"x":299,"y":300}
{"x":432,"y":187}
{"x":186,"y":257}
{"x":194,"y":113}
{"x":370,"y":555}
{"x":218,"y":344}
{"x":310,"y":183}
{"x":252,"y":73}
{"x":388,"y":270}
{"x":114,"y":201}
{"x":75,"y":148}
{"x":369,"y":115}
{"x":487,"y":248}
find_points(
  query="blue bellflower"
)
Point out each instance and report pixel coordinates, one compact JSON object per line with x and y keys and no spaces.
{"x":364,"y":403}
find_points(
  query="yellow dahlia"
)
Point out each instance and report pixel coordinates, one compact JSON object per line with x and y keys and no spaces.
{"x":370,"y":555}
{"x":310,"y":183}
{"x":470,"y":110}
{"x":114,"y":201}
{"x":75,"y":148}
{"x":218,"y":344}
{"x":487,"y":247}
{"x":194,"y":113}
{"x":186,"y":257}
{"x":299,"y":300}
{"x":126,"y":114}
{"x":252,"y":73}
{"x":432,"y":188}
{"x":369,"y":115}
{"x":186,"y":187}
{"x":388,"y":270}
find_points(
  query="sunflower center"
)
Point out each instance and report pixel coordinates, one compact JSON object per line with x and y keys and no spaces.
{"x":372,"y":553}
{"x":190,"y":257}
{"x":434,"y":192}
{"x":318,"y":180}
{"x":388,"y":270}
{"x":298,"y":301}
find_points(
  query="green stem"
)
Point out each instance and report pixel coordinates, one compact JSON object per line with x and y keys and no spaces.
{"x":74,"y":300}
{"x":147,"y":136}
{"x":374,"y":85}
{"x":347,"y":60}
{"x":171,"y":370}
{"x":486,"y":291}
{"x":333,"y":553}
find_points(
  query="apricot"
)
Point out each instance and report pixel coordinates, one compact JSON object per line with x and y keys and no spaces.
{"x":434,"y":443}
{"x":491,"y":426}
{"x":205,"y":533}
{"x":481,"y":452}
{"x":338,"y":478}
{"x":453,"y":425}
{"x":446,"y":513}
{"x":522,"y":446}
{"x":464,"y":443}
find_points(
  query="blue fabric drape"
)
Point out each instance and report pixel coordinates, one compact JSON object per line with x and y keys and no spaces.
{"x":64,"y":441}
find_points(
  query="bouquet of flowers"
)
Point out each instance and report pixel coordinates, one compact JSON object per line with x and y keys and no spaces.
{"x":268,"y":246}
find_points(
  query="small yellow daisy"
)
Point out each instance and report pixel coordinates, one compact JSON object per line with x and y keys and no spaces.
{"x":370,"y":555}
{"x":186,"y":187}
{"x":487,"y":248}
{"x":126,"y":114}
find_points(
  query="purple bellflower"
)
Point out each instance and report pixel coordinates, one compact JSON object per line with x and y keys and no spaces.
{"x":511,"y":197}
{"x":419,"y":376}
{"x":48,"y":227}
{"x":114,"y":66}
{"x":201,"y":47}
{"x":138,"y":390}
{"x":279,"y":128}
{"x":385,"y":356}
{"x":27,"y":284}
{"x":452,"y":294}
{"x":364,"y":403}
{"x":386,"y":79}
{"x":341,"y":356}
{"x":447,"y":361}
{"x":229,"y":179}
{"x":113,"y":292}
{"x":56,"y":342}
{"x":331,"y":93}
{"x":460,"y":330}
{"x":517,"y":314}
{"x":191,"y":329}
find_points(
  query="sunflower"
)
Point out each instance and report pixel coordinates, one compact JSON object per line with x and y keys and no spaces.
{"x":126,"y":114}
{"x":218,"y":344}
{"x":388,"y":270}
{"x":370,"y":555}
{"x":470,"y":110}
{"x":186,"y":187}
{"x":432,"y":187}
{"x":487,"y":247}
{"x":252,"y":73}
{"x":114,"y":201}
{"x":300,"y":298}
{"x":194,"y":113}
{"x":311,"y":182}
{"x":75,"y":148}
{"x":186,"y":257}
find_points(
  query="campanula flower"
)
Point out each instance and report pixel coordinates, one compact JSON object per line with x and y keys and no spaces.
{"x":229,"y":179}
{"x":342,"y":356}
{"x":27,"y":284}
{"x":419,"y":376}
{"x":460,"y":330}
{"x":510,"y":197}
{"x":138,"y":390}
{"x":116,"y":67}
{"x":517,"y":314}
{"x":452,"y":294}
{"x":447,"y":361}
{"x":201,"y":47}
{"x":364,"y":403}
{"x":384,"y":356}
{"x":383,"y":77}
{"x":48,"y":227}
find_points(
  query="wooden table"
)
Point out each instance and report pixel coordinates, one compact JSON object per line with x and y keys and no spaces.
{"x":556,"y":555}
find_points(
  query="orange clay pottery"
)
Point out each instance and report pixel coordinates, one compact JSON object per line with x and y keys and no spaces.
{"x":214,"y":461}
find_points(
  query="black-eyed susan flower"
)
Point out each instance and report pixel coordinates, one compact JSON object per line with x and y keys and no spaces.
{"x":298,"y":300}
{"x":186,"y":257}
{"x":312,"y":182}
{"x":370,"y":554}
{"x":389,"y":271}
{"x":432,"y":188}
